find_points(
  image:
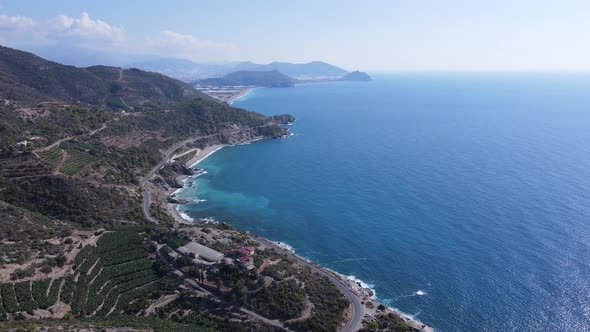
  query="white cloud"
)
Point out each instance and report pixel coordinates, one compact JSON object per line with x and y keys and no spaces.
{"x":87,"y":28}
{"x":95,"y":34}
{"x":170,"y":43}
{"x":18,"y":30}
{"x":13,"y":23}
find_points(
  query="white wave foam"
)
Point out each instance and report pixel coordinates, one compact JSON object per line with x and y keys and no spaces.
{"x":351,"y":260}
{"x":410,"y":317}
{"x":359,"y":282}
{"x":284,"y":246}
{"x":200,"y":173}
{"x":197,"y":200}
{"x":208,"y":220}
{"x":248,"y":142}
{"x":416,"y":293}
{"x":363,"y":286}
{"x":184,"y":215}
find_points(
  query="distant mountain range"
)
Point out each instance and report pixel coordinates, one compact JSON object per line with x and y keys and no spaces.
{"x":270,"y":79}
{"x":31,"y":79}
{"x":190,"y":71}
{"x":187,"y":70}
{"x":310,"y":70}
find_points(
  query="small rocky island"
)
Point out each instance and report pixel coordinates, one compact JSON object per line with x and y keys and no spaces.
{"x":357,"y":76}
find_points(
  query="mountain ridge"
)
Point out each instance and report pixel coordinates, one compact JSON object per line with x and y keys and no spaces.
{"x":188,"y":70}
{"x":30,"y":79}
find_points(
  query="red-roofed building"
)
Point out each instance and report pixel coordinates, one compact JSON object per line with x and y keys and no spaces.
{"x":246,"y":262}
{"x":245,"y":251}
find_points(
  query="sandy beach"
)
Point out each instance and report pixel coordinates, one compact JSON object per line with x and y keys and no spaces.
{"x":202,"y":154}
{"x":239,"y":95}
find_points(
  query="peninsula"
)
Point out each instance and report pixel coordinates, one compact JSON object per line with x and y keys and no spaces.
{"x":237,"y":84}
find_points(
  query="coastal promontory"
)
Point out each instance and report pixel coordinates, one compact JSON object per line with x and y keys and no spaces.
{"x":357,"y":76}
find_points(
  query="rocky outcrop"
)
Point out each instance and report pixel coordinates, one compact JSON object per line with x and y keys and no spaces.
{"x":268,"y":131}
{"x":172,"y":182}
{"x":272,"y":131}
{"x":283,"y":118}
{"x":180,"y":169}
{"x":160,"y":183}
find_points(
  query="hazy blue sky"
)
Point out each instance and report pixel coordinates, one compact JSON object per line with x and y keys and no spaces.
{"x":368,"y":35}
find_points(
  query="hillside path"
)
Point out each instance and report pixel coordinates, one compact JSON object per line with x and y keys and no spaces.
{"x":64,"y":156}
{"x":57,"y":143}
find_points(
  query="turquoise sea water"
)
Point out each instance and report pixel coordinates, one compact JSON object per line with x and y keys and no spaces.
{"x":463,"y":199}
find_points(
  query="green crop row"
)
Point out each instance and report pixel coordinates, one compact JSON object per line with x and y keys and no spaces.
{"x":52,"y":157}
{"x":24,"y":297}
{"x":114,"y":273}
{"x":41,"y":292}
{"x":125,"y":284}
{"x":77,"y":161}
{"x":118,"y":241}
{"x":9,"y":298}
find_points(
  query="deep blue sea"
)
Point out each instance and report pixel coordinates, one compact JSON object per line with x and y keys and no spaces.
{"x":472,"y":189}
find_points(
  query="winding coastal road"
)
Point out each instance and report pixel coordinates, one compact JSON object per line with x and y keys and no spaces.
{"x":168,"y":153}
{"x":357,"y":308}
{"x":146,"y":193}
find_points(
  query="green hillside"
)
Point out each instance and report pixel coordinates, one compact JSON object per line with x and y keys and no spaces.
{"x":28,"y":78}
{"x":271,"y":79}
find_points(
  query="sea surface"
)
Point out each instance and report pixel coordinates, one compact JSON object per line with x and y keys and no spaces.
{"x":463,"y":199}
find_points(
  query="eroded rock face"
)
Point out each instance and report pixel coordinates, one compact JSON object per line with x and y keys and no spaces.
{"x":273,"y":131}
{"x":160,"y":183}
{"x":181,"y":169}
{"x":172,"y":182}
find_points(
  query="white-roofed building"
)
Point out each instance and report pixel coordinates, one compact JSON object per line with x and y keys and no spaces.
{"x":200,"y":251}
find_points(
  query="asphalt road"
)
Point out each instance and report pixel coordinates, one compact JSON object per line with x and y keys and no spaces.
{"x":167,"y":155}
{"x":146,"y":194}
{"x":357,"y":308}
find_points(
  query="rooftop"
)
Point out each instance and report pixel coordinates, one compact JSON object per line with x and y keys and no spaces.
{"x":202,"y":251}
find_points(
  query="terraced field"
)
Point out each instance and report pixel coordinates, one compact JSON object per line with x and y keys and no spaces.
{"x":77,"y":161}
{"x":52,"y":157}
{"x":114,"y":277}
{"x":23,"y":166}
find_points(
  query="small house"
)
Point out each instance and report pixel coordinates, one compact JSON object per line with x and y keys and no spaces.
{"x":245,"y":251}
{"x":246,"y":262}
